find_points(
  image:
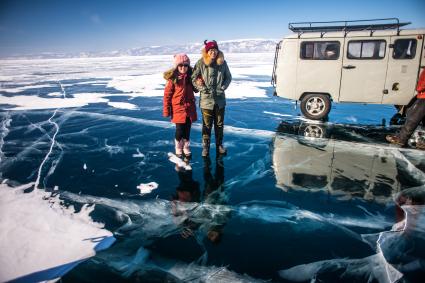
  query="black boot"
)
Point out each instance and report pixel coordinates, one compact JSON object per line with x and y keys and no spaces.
{"x":205,"y":148}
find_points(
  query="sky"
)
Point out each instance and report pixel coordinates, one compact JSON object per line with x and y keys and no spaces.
{"x":59,"y":26}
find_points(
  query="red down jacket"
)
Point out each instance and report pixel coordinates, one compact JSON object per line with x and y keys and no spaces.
{"x":420,"y":88}
{"x":179,"y":100}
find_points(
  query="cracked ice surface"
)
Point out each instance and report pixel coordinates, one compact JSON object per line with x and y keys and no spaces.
{"x":331,"y":199}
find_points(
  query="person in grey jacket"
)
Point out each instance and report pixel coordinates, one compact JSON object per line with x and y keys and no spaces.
{"x":211,"y":76}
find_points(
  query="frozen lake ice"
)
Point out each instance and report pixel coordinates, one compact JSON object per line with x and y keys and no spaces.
{"x":293,"y":201}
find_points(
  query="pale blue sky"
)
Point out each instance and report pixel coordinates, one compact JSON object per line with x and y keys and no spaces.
{"x":34,"y":26}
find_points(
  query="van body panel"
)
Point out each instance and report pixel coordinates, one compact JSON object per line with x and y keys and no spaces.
{"x":402,"y":73}
{"x":287,"y":69}
{"x":363,"y":80}
{"x":310,"y":79}
{"x":372,"y":80}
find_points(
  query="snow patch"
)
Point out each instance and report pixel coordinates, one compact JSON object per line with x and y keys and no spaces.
{"x":45,"y":238}
{"x":32,"y":102}
{"x":144,"y":85}
{"x":123,"y":105}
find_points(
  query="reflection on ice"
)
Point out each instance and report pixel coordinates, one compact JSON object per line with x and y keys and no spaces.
{"x":345,"y":168}
{"x":340,"y":163}
{"x":399,"y":251}
{"x":157,"y":219}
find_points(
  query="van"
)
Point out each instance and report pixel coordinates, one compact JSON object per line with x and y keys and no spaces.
{"x":367,"y":61}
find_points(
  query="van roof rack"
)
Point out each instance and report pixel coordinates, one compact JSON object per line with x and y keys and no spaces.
{"x":347,"y":26}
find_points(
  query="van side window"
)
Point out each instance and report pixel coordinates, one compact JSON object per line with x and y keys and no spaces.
{"x":366,"y":49}
{"x":404,"y":48}
{"x":320,"y":50}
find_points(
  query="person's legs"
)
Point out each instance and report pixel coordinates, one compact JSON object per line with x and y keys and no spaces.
{"x":186,"y":137}
{"x":219,"y":129}
{"x":179,"y":139}
{"x":414,"y":116}
{"x":207,"y":121}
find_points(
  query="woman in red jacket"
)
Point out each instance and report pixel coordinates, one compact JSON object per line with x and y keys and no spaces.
{"x":179,"y":102}
{"x":415,"y":115}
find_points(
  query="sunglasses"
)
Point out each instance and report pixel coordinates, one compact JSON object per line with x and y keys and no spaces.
{"x":183,"y":65}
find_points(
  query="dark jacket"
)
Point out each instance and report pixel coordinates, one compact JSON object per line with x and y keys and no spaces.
{"x":216,"y":79}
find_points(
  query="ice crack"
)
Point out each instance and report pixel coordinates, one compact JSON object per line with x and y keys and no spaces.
{"x":37,"y":182}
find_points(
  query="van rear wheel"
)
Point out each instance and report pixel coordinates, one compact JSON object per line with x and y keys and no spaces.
{"x":315,"y":106}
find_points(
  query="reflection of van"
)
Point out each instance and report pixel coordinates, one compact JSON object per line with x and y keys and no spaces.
{"x":329,"y":165}
{"x":371,"y":61}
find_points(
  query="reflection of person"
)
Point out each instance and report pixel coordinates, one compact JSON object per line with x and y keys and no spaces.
{"x":203,"y":218}
{"x":212,"y":77}
{"x":415,"y":114}
{"x":187,"y":191}
{"x":179,"y":102}
{"x":213,"y":188}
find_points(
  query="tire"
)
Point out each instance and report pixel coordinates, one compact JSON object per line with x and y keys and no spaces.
{"x":315,"y":106}
{"x":313,"y":131}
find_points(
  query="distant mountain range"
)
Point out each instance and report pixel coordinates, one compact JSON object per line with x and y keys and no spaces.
{"x":229,"y":46}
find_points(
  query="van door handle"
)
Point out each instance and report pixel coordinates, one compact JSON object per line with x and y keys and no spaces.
{"x":349,"y":67}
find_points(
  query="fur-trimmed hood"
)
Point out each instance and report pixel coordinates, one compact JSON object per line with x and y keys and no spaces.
{"x":207,"y":59}
{"x":172,"y":74}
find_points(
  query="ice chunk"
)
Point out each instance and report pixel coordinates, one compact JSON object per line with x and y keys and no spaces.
{"x":180,"y":163}
{"x":139,"y":154}
{"x":147,"y":188}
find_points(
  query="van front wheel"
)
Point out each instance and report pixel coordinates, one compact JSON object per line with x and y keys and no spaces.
{"x":315,"y":106}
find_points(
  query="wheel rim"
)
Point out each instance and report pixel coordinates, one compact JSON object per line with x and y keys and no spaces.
{"x":313,"y":131}
{"x":315,"y":106}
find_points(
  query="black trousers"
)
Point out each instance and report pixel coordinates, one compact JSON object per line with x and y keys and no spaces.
{"x":414,"y":116}
{"x":210,"y":117}
{"x":183,"y":130}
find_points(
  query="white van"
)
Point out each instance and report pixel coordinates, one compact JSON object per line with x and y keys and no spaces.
{"x":371,"y":61}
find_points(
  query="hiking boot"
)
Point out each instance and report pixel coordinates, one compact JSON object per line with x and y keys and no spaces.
{"x":179,"y":148}
{"x":221,"y":150}
{"x":205,"y":148}
{"x":394,"y":140}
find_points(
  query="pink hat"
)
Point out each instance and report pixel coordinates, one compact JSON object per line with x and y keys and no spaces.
{"x":181,"y":59}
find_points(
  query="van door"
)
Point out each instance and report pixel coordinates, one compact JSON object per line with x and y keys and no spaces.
{"x":403,"y":66}
{"x":364,"y":70}
{"x":319,"y":66}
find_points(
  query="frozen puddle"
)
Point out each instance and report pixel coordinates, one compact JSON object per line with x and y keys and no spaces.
{"x":41,"y":240}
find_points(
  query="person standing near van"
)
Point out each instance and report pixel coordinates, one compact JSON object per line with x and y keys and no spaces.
{"x":415,"y":115}
{"x":179,"y":102}
{"x":211,"y":76}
